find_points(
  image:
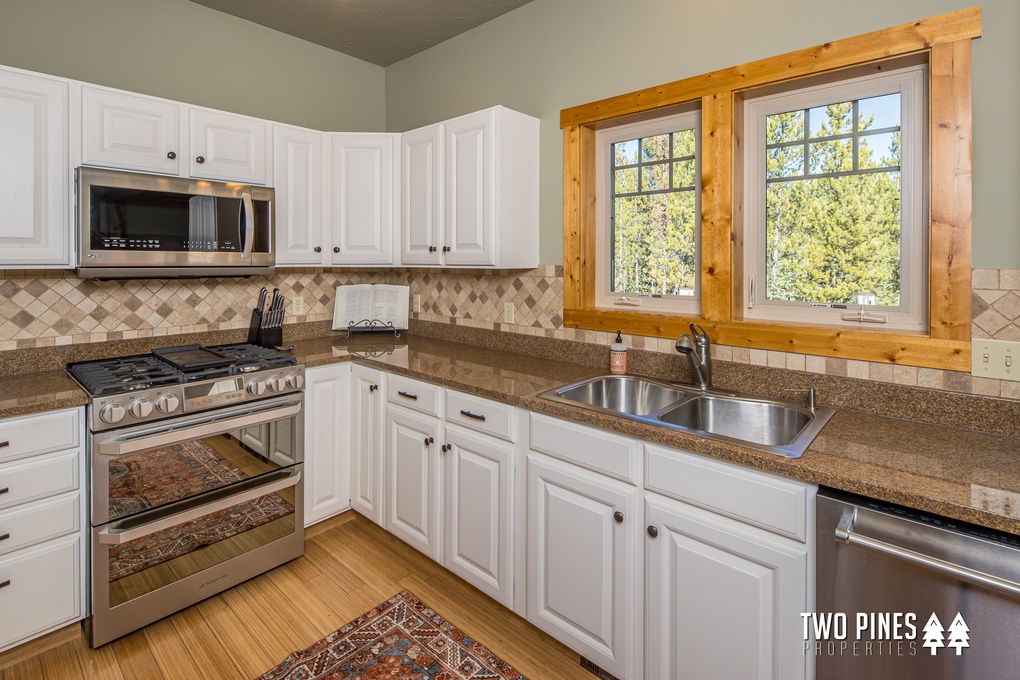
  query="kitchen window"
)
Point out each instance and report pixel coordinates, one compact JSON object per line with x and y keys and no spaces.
{"x":649,"y":222}
{"x":834,"y":225}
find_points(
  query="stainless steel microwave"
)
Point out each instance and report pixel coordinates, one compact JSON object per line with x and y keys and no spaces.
{"x":132,"y":225}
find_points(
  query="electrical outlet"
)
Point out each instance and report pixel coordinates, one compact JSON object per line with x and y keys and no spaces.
{"x":508,"y":312}
{"x":297,"y":306}
{"x":416,"y":303}
{"x":995,"y":359}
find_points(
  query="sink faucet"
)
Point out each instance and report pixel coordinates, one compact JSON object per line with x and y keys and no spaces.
{"x":696,"y":346}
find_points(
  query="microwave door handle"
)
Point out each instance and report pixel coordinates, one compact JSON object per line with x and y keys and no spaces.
{"x":247,"y":225}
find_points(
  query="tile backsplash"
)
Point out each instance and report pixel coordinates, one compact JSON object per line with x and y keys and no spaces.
{"x":48,"y":308}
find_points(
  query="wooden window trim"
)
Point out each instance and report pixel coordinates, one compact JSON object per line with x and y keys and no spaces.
{"x":946,"y":40}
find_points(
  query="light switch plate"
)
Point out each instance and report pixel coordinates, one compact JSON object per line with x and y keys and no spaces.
{"x":995,"y":359}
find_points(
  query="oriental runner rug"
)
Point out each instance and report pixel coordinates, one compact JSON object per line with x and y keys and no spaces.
{"x":142,"y":481}
{"x":400,"y":639}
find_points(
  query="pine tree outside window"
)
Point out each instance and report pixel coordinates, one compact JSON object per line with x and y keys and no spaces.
{"x":649,"y":222}
{"x":835,"y":229}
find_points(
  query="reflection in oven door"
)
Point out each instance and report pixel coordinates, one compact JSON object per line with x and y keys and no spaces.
{"x":183,"y":512}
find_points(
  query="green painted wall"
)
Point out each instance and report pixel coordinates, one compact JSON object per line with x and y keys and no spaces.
{"x":186,"y":52}
{"x":553,"y":54}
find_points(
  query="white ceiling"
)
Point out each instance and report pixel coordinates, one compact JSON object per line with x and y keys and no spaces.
{"x":378,"y":31}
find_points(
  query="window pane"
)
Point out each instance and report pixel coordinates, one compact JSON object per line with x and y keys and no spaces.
{"x":625,"y":181}
{"x":655,"y":177}
{"x":832,"y":156}
{"x":784,"y":161}
{"x":655,"y":148}
{"x":879,"y":151}
{"x":784,"y":127}
{"x":875,"y":113}
{"x":834,"y":119}
{"x":683,"y":174}
{"x":683,"y":143}
{"x":654,"y":244}
{"x":625,"y":153}
{"x":832,"y":239}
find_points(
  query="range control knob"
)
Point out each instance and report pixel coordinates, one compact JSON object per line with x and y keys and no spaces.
{"x":295,"y":381}
{"x":256,"y":387}
{"x":112,"y":413}
{"x":275,"y":383}
{"x":140,"y":408}
{"x":168,"y":403}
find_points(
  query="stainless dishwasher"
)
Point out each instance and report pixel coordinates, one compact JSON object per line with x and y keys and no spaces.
{"x":903,"y":595}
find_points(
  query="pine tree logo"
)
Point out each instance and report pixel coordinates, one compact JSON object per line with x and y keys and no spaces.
{"x":933,"y":634}
{"x":958,"y":634}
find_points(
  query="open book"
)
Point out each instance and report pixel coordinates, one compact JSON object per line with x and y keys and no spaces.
{"x":360,"y":305}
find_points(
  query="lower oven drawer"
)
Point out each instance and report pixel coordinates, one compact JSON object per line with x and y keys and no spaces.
{"x":33,"y":523}
{"x":42,"y":589}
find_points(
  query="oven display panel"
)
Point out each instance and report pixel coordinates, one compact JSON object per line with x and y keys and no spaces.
{"x":219,"y":393}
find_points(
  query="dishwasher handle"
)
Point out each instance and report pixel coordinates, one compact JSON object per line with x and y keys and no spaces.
{"x":845,"y":534}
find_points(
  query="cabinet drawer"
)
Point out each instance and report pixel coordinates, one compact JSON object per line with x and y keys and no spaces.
{"x":30,"y":435}
{"x":773,"y":503}
{"x":32,"y":523}
{"x":42,"y":590}
{"x":588,"y":447}
{"x":413,"y":394}
{"x":38,"y":478}
{"x":483,"y":415}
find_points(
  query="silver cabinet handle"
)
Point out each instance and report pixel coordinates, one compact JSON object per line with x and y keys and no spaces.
{"x":845,"y":534}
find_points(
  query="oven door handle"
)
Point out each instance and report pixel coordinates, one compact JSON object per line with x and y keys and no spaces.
{"x":177,"y":432}
{"x":138,"y":527}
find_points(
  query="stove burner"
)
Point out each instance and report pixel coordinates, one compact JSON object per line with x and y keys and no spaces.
{"x":126,"y":374}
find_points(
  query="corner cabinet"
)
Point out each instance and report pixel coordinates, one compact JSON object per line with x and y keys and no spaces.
{"x":327,"y":441}
{"x":368,"y":431}
{"x":469,"y":191}
{"x":363,"y":195}
{"x":36,"y":178}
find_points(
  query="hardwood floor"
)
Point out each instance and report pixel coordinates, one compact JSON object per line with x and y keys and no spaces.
{"x":350,"y":565}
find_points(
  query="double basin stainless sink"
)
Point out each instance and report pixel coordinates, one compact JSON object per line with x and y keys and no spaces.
{"x":772,"y":425}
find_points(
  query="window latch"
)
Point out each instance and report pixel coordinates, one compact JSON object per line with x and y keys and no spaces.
{"x":625,"y":301}
{"x":863,"y":316}
{"x":750,"y":293}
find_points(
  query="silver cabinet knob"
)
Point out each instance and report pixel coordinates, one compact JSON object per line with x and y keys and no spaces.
{"x":112,"y":413}
{"x":168,"y":403}
{"x":140,"y":408}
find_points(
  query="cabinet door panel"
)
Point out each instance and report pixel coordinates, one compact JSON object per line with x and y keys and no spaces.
{"x":367,"y":434}
{"x":412,"y":479}
{"x":327,"y":442}
{"x":232,"y":148}
{"x":580,"y":577}
{"x":724,"y":600}
{"x":121,"y":130}
{"x":298,"y":182}
{"x":478,"y":473}
{"x":34,"y":175}
{"x":363,"y":199}
{"x":470,"y":186}
{"x":421,"y":196}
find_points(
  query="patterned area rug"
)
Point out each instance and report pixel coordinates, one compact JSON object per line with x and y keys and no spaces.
{"x":140,"y":482}
{"x":400,"y":639}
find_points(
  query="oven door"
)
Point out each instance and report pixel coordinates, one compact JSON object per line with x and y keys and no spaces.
{"x":189,"y":507}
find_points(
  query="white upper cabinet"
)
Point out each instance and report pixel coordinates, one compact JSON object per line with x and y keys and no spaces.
{"x":421,"y":200}
{"x":228,"y":147}
{"x":470,"y":191}
{"x":363,"y":189}
{"x":34,"y":171}
{"x":134,"y":132}
{"x":130,"y":131}
{"x":297,"y":178}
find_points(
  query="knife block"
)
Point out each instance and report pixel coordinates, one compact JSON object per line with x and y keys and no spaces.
{"x":270,"y":337}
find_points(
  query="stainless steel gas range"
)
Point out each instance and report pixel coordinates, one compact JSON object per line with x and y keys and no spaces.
{"x":196,"y":457}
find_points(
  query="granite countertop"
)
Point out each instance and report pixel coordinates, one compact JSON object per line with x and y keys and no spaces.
{"x":962,"y":474}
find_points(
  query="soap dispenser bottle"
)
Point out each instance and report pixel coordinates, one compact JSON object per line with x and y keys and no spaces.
{"x":618,"y":356}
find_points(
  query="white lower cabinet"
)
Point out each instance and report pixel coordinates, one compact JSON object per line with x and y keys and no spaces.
{"x":368,"y":412}
{"x":42,"y":519}
{"x":327,"y":441}
{"x":583,"y":563}
{"x":723,"y":599}
{"x":412,"y":484}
